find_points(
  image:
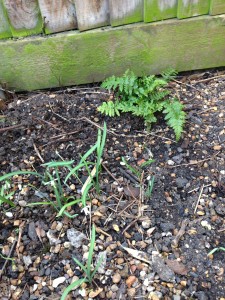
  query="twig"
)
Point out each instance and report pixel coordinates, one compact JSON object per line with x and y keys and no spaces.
{"x":129,"y":176}
{"x":7,"y":91}
{"x":199,"y":197}
{"x":38,"y":153}
{"x":208,"y":79}
{"x":99,"y":230}
{"x":49,"y":123}
{"x":196,"y":162}
{"x":107,"y":170}
{"x":180,"y":233}
{"x":197,"y":188}
{"x":126,"y":207}
{"x":65,"y":134}
{"x":8,"y":257}
{"x":189,"y":85}
{"x":19,"y":238}
{"x":131,"y":224}
{"x":122,"y":135}
{"x":11,"y":127}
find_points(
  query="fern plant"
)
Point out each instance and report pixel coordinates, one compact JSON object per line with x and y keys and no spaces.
{"x":144,"y":97}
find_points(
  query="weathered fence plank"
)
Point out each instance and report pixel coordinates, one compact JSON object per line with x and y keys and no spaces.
{"x":125,"y":12}
{"x":155,"y":10}
{"x":217,"y":7}
{"x":74,"y":58}
{"x":92,"y":13}
{"x":24,"y":17}
{"x":4,"y":24}
{"x":58,"y":15}
{"x":191,"y":8}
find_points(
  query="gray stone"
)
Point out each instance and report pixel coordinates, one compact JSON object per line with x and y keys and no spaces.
{"x":32,"y":232}
{"x":178,"y":158}
{"x":75,"y":237}
{"x":163,"y":271}
{"x":181,"y":182}
{"x":167,"y":226}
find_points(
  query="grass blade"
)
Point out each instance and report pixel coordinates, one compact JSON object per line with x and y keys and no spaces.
{"x":5,"y":200}
{"x":56,"y":164}
{"x":9,"y":175}
{"x":64,"y":207}
{"x":90,"y":254}
{"x":71,"y":287}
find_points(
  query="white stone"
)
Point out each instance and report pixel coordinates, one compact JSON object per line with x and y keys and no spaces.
{"x":56,"y":282}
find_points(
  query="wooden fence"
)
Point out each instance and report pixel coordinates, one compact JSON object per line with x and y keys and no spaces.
{"x":94,"y":40}
{"x":29,"y":17}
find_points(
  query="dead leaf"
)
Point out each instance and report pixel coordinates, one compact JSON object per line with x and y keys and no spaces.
{"x":138,"y":254}
{"x":39,"y":231}
{"x":95,"y":293}
{"x":177,"y":267}
{"x":131,"y":191}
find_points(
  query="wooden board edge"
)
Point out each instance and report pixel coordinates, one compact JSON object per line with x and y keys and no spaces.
{"x":74,"y":58}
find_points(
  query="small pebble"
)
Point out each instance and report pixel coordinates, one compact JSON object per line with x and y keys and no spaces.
{"x":58,"y":281}
{"x":116,"y":278}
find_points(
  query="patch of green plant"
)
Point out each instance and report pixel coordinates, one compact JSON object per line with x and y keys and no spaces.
{"x":6,"y":194}
{"x":144,"y":97}
{"x":216,"y":249}
{"x":88,"y":269}
{"x":137,"y":171}
{"x":56,"y":175}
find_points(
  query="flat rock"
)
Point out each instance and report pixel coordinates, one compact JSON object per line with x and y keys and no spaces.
{"x":75,"y":237}
{"x":164,"y":272}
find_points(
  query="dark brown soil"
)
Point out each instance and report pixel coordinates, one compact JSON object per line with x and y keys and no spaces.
{"x":182,"y":221}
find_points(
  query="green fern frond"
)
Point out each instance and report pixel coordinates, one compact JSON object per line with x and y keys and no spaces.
{"x":169,"y":74}
{"x":109,"y":109}
{"x":110,"y":83}
{"x":144,"y":97}
{"x":175,"y":116}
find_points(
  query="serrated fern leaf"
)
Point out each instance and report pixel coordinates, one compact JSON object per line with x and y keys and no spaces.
{"x":169,"y":74}
{"x":109,"y":109}
{"x":175,"y":116}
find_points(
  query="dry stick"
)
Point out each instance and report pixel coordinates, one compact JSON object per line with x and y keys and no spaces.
{"x":199,"y":197}
{"x":11,"y":127}
{"x":38,"y":153}
{"x":99,"y":230}
{"x":123,"y":135}
{"x":19,"y":238}
{"x":107,"y":170}
{"x":208,"y":79}
{"x":65,"y":134}
{"x":196,"y":189}
{"x":195,"y":163}
{"x":129,"y":176}
{"x":126,"y":207}
{"x":46,"y":122}
{"x":130,"y":224}
{"x":181,"y":232}
{"x":189,"y":85}
{"x":8,"y":257}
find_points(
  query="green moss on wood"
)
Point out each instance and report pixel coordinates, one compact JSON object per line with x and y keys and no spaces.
{"x":155,"y":10}
{"x":72,"y":58}
{"x":217,"y":7}
{"x":190,"y":8}
{"x":131,"y":17}
{"x":22,"y":31}
{"x":5,"y":31}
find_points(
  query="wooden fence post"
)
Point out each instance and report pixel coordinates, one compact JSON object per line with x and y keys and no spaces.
{"x":191,"y":8}
{"x":155,"y":10}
